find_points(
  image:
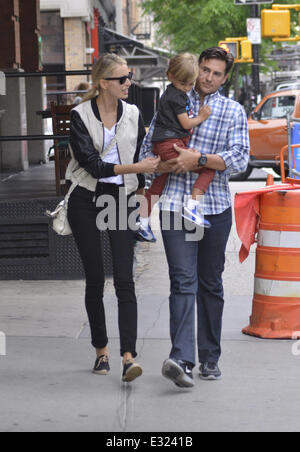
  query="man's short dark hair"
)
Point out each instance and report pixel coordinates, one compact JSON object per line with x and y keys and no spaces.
{"x":217,"y":53}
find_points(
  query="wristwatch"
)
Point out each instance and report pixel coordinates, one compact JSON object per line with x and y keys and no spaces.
{"x":202,"y":160}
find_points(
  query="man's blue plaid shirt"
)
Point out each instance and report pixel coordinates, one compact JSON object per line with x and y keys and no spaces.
{"x":224,"y":133}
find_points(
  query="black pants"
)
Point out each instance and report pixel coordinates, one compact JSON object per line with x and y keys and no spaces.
{"x":82,"y":215}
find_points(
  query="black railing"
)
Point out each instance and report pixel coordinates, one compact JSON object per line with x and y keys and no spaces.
{"x":46,"y":74}
{"x":33,"y":137}
{"x":147,"y":106}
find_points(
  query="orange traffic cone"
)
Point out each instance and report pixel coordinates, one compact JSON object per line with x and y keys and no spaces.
{"x":276,"y":302}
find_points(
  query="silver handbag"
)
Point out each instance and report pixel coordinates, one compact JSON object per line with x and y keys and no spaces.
{"x":60,"y":219}
{"x":60,"y":215}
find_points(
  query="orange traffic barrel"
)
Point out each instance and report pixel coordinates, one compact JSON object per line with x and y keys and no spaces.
{"x":276,"y":302}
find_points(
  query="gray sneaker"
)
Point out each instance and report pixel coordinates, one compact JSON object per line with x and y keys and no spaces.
{"x":210,"y":371}
{"x":179,"y":372}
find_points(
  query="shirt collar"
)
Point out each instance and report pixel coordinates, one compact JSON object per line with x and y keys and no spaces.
{"x":208,"y":98}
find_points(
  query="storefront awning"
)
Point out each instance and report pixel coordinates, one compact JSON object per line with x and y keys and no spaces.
{"x":151,"y":63}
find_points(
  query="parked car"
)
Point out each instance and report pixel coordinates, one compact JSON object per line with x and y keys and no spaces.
{"x":290,"y":85}
{"x":268,"y":129}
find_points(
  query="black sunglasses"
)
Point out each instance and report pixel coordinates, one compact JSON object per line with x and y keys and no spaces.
{"x":123,"y":79}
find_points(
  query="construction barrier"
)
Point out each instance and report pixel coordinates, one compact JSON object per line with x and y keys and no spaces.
{"x":276,"y":302}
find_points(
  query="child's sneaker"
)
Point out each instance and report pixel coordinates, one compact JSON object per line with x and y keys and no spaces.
{"x":145,"y":234}
{"x":194,"y":216}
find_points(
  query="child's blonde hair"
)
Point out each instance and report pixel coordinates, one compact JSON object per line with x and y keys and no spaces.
{"x":102,"y":69}
{"x":184,"y":67}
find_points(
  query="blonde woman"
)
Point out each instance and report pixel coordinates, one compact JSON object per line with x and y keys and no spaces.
{"x":174,"y":124}
{"x":101,"y":117}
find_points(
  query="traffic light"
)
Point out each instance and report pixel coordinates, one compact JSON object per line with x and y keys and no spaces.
{"x":275,"y":24}
{"x":246,"y":50}
{"x":230,"y":47}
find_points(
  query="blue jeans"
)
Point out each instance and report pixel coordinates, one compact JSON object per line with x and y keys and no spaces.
{"x":195,"y":270}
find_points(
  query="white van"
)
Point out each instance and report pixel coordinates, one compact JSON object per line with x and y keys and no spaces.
{"x":288,"y":85}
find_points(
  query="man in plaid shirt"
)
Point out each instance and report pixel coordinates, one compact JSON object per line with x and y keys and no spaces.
{"x":196,"y":266}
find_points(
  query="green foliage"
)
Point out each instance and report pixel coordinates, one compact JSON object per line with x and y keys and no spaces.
{"x":193,"y":25}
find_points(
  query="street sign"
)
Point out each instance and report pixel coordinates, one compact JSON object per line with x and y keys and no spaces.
{"x":254,"y":30}
{"x":251,"y":2}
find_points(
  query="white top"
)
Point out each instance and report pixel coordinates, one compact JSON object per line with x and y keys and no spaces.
{"x":111,"y":157}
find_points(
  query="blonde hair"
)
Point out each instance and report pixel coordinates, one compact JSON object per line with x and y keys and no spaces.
{"x":184,"y":67}
{"x":102,"y":69}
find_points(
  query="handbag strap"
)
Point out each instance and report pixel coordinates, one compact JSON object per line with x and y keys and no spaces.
{"x":82,"y":175}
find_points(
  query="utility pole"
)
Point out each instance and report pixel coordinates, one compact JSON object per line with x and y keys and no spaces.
{"x":255,"y":13}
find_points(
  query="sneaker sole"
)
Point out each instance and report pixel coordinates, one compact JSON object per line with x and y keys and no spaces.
{"x":132,"y":373}
{"x":100,"y":372}
{"x":196,"y":223}
{"x":147,"y":240}
{"x":172,"y":371}
{"x":140,"y":238}
{"x":210,"y":377}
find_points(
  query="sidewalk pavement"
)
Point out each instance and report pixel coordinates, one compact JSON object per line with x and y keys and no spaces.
{"x":46,"y":379}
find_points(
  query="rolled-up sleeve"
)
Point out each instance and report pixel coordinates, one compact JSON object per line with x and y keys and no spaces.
{"x":236,"y":154}
{"x":84,"y":151}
